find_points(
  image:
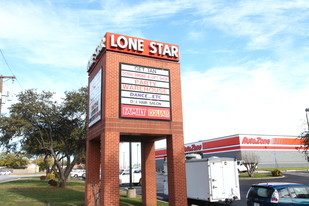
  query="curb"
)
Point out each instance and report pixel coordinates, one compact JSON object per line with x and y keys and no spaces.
{"x":262,"y":178}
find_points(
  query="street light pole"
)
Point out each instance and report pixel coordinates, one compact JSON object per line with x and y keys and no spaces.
{"x":307,"y":110}
{"x":137,"y":155}
{"x":123,"y":160}
{"x":130,"y":160}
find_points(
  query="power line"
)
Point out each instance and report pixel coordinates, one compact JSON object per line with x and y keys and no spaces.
{"x":10,"y":69}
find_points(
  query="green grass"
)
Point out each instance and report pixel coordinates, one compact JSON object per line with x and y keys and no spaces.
{"x":284,"y":168}
{"x":255,"y":175}
{"x":267,"y":175}
{"x":124,"y":201}
{"x":35,"y":192}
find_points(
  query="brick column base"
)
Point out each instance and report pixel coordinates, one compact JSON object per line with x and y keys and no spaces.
{"x":177,"y":189}
{"x":93,"y":172}
{"x":110,"y":168}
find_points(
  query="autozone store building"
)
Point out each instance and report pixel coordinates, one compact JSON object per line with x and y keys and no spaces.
{"x":272,"y":150}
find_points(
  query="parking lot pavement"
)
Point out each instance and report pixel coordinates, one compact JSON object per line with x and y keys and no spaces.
{"x":291,"y":176}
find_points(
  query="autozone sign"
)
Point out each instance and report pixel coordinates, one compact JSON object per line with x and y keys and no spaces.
{"x":136,"y":46}
{"x":255,"y":140}
{"x":193,"y":147}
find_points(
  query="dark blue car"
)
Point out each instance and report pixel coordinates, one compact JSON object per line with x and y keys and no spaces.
{"x":278,"y":193}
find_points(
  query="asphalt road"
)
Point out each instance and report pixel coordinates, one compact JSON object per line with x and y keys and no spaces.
{"x":292,"y":176}
{"x":297,"y":177}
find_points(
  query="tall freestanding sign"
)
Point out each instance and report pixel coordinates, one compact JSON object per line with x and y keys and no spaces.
{"x":134,"y":96}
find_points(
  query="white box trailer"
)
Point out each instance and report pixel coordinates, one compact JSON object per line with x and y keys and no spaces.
{"x":214,"y":179}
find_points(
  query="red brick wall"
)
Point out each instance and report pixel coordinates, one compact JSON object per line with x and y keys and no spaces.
{"x":109,"y":129}
{"x":110,"y":168}
{"x":93,"y":171}
{"x":177,"y":192}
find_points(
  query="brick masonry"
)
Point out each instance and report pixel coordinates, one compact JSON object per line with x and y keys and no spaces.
{"x":104,"y":137}
{"x":149,"y":189}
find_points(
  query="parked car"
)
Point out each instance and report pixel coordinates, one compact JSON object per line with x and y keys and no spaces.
{"x":241,"y":167}
{"x":277,"y":193}
{"x":124,"y":176}
{"x":84,"y":175}
{"x":5,"y":172}
{"x":77,"y":173}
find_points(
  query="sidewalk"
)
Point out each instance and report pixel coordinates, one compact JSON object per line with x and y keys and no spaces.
{"x":8,"y":178}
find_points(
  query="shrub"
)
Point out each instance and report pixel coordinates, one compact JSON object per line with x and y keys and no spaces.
{"x":276,"y":173}
{"x":51,"y":176}
{"x":43,"y":177}
{"x":52,"y":182}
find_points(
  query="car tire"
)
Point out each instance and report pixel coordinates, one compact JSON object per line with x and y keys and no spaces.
{"x":76,"y":176}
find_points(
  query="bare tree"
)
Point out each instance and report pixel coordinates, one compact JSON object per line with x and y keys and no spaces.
{"x":250,"y":161}
{"x":305,"y":136}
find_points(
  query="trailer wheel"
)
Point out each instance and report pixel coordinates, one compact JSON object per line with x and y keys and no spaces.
{"x":198,"y":202}
{"x":228,"y":201}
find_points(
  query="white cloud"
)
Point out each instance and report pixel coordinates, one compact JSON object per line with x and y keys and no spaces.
{"x":195,"y":36}
{"x":264,"y":22}
{"x":43,"y":34}
{"x":226,"y":101}
{"x":138,"y":14}
{"x":47,"y":34}
{"x":255,"y":96}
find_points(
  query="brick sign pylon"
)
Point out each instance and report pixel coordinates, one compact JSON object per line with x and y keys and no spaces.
{"x":134,"y":96}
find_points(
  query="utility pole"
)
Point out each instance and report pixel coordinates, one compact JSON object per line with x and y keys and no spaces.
{"x":1,"y":87}
{"x":307,"y":110}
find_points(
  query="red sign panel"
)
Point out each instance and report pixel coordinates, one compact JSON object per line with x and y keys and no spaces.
{"x":141,"y":112}
{"x":144,"y":47}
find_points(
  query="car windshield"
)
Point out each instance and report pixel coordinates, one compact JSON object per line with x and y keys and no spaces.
{"x":299,"y":192}
{"x":284,"y":193}
{"x":263,"y":192}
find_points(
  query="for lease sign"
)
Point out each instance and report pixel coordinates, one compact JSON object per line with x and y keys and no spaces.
{"x":144,"y":92}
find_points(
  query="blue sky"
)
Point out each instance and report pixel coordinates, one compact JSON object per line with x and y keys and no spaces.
{"x":244,"y":63}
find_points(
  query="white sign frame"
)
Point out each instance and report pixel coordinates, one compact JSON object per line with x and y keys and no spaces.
{"x":95,"y":99}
